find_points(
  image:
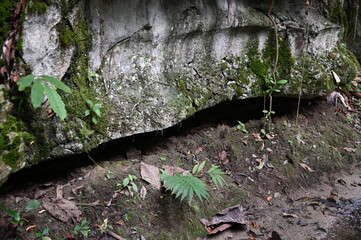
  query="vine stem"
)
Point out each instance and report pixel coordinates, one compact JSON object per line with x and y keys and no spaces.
{"x":276,"y":61}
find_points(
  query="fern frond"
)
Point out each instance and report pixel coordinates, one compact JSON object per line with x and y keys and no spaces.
{"x":185,"y":186}
{"x":216,"y":175}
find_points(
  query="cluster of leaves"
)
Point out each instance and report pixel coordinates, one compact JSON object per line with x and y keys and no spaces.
{"x":83,"y":228}
{"x":93,"y":111}
{"x":39,"y":85}
{"x":189,"y":185}
{"x":129,"y":184}
{"x":43,"y":235}
{"x":15,"y":215}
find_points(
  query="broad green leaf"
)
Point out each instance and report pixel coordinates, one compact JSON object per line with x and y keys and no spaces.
{"x":125,"y":182}
{"x":91,"y":104}
{"x":46,"y":231}
{"x":277,"y":90}
{"x":46,"y":238}
{"x":282,"y":82}
{"x":37,"y":93}
{"x":94,"y":120}
{"x":25,"y":82}
{"x":15,"y":215}
{"x":96,"y":110}
{"x":31,"y":205}
{"x":56,"y":82}
{"x":201,"y":166}
{"x":86,"y":112}
{"x":55,"y":102}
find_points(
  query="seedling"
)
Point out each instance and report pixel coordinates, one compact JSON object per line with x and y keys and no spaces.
{"x":129,"y":184}
{"x":93,"y":111}
{"x":15,"y":215}
{"x":82,"y":228}
{"x":102,"y":228}
{"x":241,"y":127}
{"x":186,"y":186}
{"x":43,"y":235}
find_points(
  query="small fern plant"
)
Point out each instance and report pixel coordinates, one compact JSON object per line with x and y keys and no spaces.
{"x":39,"y":86}
{"x":189,"y":185}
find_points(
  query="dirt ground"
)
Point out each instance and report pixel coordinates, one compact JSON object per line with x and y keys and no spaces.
{"x":295,"y":180}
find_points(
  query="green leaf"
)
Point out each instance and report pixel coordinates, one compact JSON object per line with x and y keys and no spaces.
{"x":277,"y":90}
{"x":56,"y":82}
{"x":216,"y":175}
{"x":125,"y":182}
{"x":38,"y":235}
{"x":89,"y":102}
{"x":25,"y":82}
{"x":185,"y":186}
{"x":15,"y":215}
{"x":37,"y":93}
{"x":46,"y":238}
{"x":31,"y":205}
{"x":94,"y":120}
{"x":282,"y":82}
{"x":96,"y":110}
{"x":86,"y":112}
{"x":46,"y":231}
{"x":55,"y":102}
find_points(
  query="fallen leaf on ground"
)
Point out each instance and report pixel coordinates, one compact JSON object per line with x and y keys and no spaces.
{"x":289,"y":215}
{"x":269,"y":198}
{"x":62,"y":209}
{"x":257,"y":136}
{"x":270,"y":136}
{"x":348,"y":149}
{"x":150,"y":174}
{"x":245,"y":142}
{"x":225,"y":219}
{"x":254,"y":224}
{"x":171,"y":170}
{"x":30,"y":227}
{"x":143,"y":192}
{"x":198,"y":150}
{"x":307,"y":168}
{"x":222,"y":157}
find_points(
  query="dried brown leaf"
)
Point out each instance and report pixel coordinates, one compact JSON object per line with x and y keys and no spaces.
{"x":62,"y":209}
{"x":143,"y":192}
{"x":198,"y":150}
{"x":307,"y":168}
{"x":171,"y":170}
{"x":150,"y":174}
{"x":348,"y":149}
{"x":222,"y":157}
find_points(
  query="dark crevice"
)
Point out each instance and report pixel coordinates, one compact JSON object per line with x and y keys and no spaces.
{"x":229,"y":113}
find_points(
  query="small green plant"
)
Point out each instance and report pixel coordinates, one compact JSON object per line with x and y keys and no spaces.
{"x":129,"y":184}
{"x":186,"y":186}
{"x":93,"y":111}
{"x":105,"y":225}
{"x":108,"y":175}
{"x":82,"y":228}
{"x":241,"y":127}
{"x":15,"y":215}
{"x":272,"y":86}
{"x":43,"y":235}
{"x":39,"y":86}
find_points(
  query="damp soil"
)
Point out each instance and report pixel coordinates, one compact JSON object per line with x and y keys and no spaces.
{"x":298,"y":179}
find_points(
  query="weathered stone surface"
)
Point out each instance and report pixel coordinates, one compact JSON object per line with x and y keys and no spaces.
{"x":158,"y":62}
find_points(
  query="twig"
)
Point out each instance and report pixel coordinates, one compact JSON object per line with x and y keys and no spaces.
{"x":114,"y":235}
{"x":93,"y":160}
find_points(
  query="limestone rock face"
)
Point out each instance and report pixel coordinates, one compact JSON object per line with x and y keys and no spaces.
{"x":153,"y":63}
